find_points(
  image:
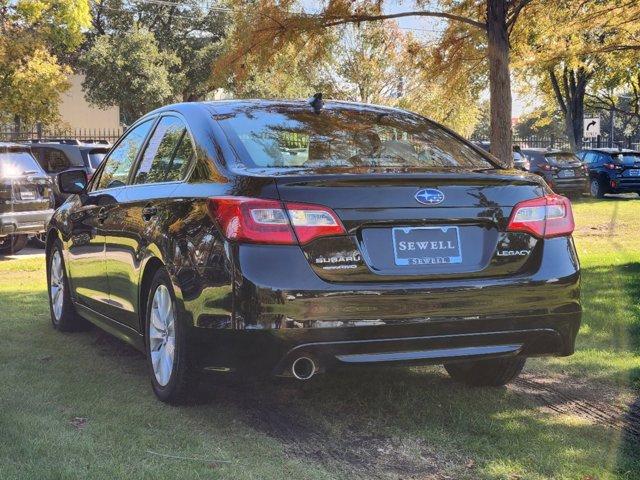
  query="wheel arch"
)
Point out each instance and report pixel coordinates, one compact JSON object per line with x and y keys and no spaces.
{"x":152,"y":265}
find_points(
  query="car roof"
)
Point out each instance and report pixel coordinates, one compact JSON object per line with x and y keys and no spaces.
{"x":610,"y":150}
{"x":546,"y":151}
{"x":13,"y":146}
{"x":63,"y":144}
{"x":228,"y":106}
{"x":223,"y":107}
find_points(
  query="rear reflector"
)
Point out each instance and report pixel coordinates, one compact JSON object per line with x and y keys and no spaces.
{"x":543,"y":217}
{"x":254,"y":220}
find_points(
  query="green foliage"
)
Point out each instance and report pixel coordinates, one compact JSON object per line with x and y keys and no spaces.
{"x":564,"y":61}
{"x":541,"y":123}
{"x":129,"y":71}
{"x":184,"y":40}
{"x":33,"y":35}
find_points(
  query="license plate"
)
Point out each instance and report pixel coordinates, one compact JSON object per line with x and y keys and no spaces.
{"x":633,"y":172}
{"x":565,"y":173}
{"x":426,"y":245}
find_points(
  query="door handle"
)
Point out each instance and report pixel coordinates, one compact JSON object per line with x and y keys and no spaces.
{"x":149,"y":212}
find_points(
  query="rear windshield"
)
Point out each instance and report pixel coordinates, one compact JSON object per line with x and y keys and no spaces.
{"x":17,"y":163}
{"x":561,"y":158}
{"x":626,"y":158}
{"x":292,"y":137}
{"x":96,"y":156}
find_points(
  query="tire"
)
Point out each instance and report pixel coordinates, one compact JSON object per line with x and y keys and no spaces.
{"x":63,"y":313}
{"x":486,"y":373}
{"x":13,"y":244}
{"x":173,"y":378}
{"x":39,"y":241}
{"x":596,"y":189}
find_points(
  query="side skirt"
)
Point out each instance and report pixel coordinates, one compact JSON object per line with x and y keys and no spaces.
{"x":118,"y":330}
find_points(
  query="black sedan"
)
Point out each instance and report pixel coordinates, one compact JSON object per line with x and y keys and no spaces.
{"x":612,"y":170}
{"x":563,"y":171}
{"x":290,"y":238}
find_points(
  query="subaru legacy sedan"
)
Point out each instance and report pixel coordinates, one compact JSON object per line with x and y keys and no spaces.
{"x":292,"y":238}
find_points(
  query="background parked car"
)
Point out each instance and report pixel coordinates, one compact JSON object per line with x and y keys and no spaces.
{"x":612,"y":170}
{"x":520,"y":161}
{"x":26,"y":197}
{"x":58,"y":155}
{"x":563,"y":171}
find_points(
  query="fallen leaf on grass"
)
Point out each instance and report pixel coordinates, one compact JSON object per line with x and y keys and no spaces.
{"x":78,"y":422}
{"x":470,"y":464}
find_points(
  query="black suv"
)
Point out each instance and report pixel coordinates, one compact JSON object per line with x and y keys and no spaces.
{"x":26,"y":197}
{"x":58,"y":155}
{"x":290,"y":238}
{"x":612,"y":170}
{"x":563,"y":171}
{"x":520,"y":161}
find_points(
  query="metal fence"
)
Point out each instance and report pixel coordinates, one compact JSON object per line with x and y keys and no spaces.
{"x":563,"y":143}
{"x":43,"y":134}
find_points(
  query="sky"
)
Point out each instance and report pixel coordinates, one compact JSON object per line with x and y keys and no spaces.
{"x":427,"y":28}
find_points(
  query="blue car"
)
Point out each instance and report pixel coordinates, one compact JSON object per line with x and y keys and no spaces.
{"x":612,"y":170}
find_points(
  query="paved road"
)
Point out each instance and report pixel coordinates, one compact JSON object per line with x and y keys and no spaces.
{"x":28,"y":253}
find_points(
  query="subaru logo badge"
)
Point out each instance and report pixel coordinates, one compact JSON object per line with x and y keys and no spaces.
{"x":429,"y":196}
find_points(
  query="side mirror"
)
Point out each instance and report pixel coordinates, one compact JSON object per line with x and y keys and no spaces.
{"x":73,"y":181}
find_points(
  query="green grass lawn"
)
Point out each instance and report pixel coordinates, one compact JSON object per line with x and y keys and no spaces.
{"x":79,"y":405}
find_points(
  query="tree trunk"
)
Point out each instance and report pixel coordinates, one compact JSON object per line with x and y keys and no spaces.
{"x":570,"y":97}
{"x":499,"y":80}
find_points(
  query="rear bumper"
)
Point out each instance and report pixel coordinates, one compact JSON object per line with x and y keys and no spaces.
{"x":279,"y":310}
{"x":274,"y":351}
{"x":31,"y":222}
{"x":628,"y":184}
{"x":580,"y":184}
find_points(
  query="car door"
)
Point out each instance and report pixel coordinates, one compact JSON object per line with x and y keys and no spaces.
{"x":89,"y":217}
{"x":163,"y":163}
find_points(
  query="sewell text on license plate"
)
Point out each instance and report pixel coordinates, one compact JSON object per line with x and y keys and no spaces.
{"x":426,"y":245}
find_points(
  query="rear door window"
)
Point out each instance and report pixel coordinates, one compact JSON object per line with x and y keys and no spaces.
{"x":54,"y":160}
{"x":627,"y":159}
{"x":561,"y":158}
{"x":168,"y":153}
{"x":96,"y":156}
{"x":115,"y":171}
{"x":589,"y":157}
{"x":18,"y":163}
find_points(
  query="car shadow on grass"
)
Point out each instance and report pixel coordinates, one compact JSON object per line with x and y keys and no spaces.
{"x":406,"y":423}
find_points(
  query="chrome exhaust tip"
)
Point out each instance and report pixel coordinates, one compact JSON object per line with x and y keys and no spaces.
{"x":303,"y":368}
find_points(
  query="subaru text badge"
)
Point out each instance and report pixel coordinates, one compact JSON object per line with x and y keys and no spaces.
{"x":429,"y":196}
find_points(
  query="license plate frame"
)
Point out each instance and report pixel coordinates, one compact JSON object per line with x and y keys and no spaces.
{"x":27,"y":193}
{"x":448,"y":233}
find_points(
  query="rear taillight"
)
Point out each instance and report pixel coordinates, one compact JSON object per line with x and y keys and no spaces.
{"x":543,"y":217}
{"x":253,"y":220}
{"x":313,"y":221}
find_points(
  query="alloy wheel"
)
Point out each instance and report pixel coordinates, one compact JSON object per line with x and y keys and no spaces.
{"x":56,"y":290}
{"x":162,"y":335}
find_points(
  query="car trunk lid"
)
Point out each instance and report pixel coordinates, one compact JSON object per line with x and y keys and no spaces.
{"x":416,"y":226}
